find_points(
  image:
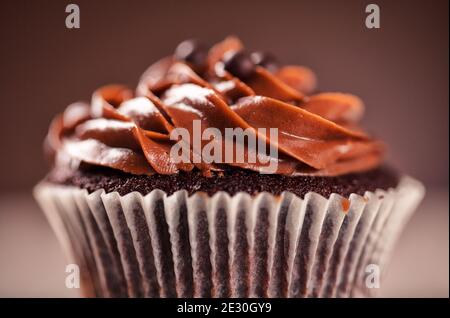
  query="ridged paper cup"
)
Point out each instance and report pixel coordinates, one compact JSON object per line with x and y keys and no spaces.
{"x":160,"y":245}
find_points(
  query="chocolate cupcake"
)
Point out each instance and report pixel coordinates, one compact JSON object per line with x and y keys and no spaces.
{"x":223,"y":175}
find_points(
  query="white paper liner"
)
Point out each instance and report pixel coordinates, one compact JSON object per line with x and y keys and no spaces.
{"x":227,"y":246}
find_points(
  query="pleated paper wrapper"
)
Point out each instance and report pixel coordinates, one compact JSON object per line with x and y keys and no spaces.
{"x":161,"y":245}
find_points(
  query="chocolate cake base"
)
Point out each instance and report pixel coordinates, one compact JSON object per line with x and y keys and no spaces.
{"x":231,"y":181}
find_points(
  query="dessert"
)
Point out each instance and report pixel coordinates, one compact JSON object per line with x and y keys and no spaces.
{"x":304,"y":218}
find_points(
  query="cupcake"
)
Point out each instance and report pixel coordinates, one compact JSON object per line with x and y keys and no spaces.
{"x":223,"y":175}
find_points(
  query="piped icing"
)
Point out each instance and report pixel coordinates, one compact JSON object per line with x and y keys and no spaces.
{"x":223,"y":87}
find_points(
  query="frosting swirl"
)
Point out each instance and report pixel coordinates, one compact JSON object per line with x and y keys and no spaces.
{"x":318,"y":134}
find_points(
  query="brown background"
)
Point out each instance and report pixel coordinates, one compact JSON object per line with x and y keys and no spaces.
{"x":400,"y":70}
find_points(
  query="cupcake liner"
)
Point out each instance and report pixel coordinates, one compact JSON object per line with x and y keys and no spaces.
{"x":161,"y":245}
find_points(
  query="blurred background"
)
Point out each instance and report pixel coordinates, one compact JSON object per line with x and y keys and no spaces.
{"x":399,"y":70}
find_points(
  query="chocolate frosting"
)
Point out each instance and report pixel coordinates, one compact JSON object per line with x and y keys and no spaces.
{"x":318,"y":134}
